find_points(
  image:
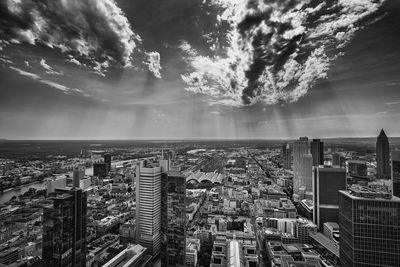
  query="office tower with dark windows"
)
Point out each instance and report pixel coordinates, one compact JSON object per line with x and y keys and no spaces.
{"x":107,"y":161}
{"x":336,"y":159}
{"x":300,"y":147}
{"x":317,"y":152}
{"x":64,"y":229}
{"x":357,"y":168}
{"x":100,"y":170}
{"x":369,"y":225}
{"x":173,"y":217}
{"x":382,"y":156}
{"x":396,"y":172}
{"x":327,"y":181}
{"x":148,"y":208}
{"x":287,"y":156}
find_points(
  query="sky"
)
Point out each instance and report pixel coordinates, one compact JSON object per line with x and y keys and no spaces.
{"x":199,"y":69}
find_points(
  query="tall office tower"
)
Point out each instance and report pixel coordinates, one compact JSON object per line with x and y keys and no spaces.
{"x":100,"y":170}
{"x":382,"y":156}
{"x":305,"y":172}
{"x":78,"y":174}
{"x":327,"y":182}
{"x":287,"y":156}
{"x":396,"y":172}
{"x":317,"y":151}
{"x":64,"y":229}
{"x":107,"y":161}
{"x":300,"y":147}
{"x":148,"y":208}
{"x":336,"y":159}
{"x":173,"y":218}
{"x":369,"y":225}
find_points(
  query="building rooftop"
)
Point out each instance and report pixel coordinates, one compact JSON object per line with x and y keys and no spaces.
{"x":325,"y":242}
{"x":369,"y":192}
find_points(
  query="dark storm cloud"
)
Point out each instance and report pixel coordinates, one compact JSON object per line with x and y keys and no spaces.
{"x":277,"y":49}
{"x":91,"y":31}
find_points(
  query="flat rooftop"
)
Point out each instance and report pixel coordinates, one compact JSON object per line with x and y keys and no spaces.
{"x":369,"y":193}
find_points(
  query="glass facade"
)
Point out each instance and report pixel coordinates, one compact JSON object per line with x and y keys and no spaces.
{"x":396,"y":176}
{"x":64,"y":229}
{"x":369,"y":231}
{"x":174,"y":218}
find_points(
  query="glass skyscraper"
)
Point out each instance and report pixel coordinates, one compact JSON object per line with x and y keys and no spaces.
{"x":317,"y":151}
{"x":369,"y":221}
{"x":64,"y":229}
{"x":173,"y":218}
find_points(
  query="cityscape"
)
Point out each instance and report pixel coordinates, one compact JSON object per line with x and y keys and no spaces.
{"x":199,"y":133}
{"x":304,"y":202}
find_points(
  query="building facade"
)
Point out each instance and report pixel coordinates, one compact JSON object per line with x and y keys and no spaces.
{"x":173,"y":218}
{"x":317,"y":152}
{"x":300,"y":147}
{"x":382,"y":156}
{"x":326,"y":184}
{"x":64,"y":229}
{"x":148,"y":208}
{"x":396,"y":172}
{"x":369,"y":225}
{"x":287,"y":156}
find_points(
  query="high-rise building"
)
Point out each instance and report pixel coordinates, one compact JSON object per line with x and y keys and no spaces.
{"x":317,"y":152}
{"x":300,"y":147}
{"x":357,"y":168}
{"x":78,"y":175}
{"x":396,"y":172}
{"x":64,"y":229}
{"x":336,"y":159}
{"x":287,"y":156}
{"x":382,"y":156}
{"x":173,"y":218}
{"x":148,"y":208}
{"x":107,"y":161}
{"x":100,"y":170}
{"x":369,"y":225}
{"x":327,"y":182}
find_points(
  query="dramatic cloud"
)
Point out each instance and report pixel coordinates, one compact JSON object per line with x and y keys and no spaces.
{"x":48,"y":68}
{"x":275,"y":50}
{"x":152,"y":60}
{"x":92,"y":31}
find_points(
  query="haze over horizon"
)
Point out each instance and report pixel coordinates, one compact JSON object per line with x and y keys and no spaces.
{"x":212,"y":69}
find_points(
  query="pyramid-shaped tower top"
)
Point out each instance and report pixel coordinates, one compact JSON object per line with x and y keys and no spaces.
{"x":382,"y":134}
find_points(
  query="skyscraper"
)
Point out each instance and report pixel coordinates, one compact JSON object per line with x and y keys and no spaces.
{"x":287,"y":156}
{"x":78,"y":174}
{"x":396,"y":172}
{"x":369,"y":225}
{"x":382,"y":156}
{"x":317,"y":151}
{"x":148,"y":208}
{"x":173,"y":218}
{"x":107,"y":161}
{"x":300,"y":147}
{"x":336,"y":159}
{"x":327,"y":182}
{"x":305,"y":172}
{"x":64,"y":229}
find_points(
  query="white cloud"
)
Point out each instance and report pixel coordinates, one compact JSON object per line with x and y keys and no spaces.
{"x":48,"y":68}
{"x":277,"y":51}
{"x":96,"y":30}
{"x":152,"y":61}
{"x":52,"y":84}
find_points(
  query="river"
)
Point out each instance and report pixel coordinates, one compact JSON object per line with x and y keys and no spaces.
{"x":8,"y":194}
